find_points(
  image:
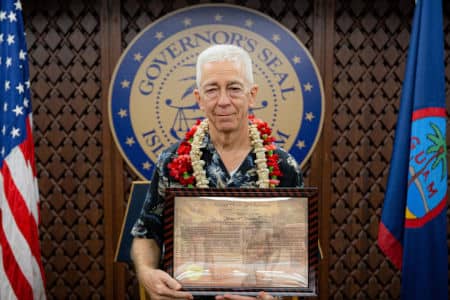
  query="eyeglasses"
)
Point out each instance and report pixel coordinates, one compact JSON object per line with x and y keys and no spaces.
{"x":234,"y":91}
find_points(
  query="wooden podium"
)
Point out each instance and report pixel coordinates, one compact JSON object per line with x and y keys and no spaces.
{"x":137,"y":195}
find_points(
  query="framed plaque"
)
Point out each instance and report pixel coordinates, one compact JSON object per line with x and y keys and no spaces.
{"x":242,"y":241}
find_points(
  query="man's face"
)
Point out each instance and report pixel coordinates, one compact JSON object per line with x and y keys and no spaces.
{"x":225,"y":96}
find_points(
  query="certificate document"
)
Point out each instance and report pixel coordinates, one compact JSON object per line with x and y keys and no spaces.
{"x":253,"y":242}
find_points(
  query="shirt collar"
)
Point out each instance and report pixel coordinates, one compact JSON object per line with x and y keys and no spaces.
{"x":207,"y":143}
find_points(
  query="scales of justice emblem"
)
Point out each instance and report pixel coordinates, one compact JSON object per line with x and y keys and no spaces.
{"x":151,"y":103}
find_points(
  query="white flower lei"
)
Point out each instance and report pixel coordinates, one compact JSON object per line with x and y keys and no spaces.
{"x":198,"y":164}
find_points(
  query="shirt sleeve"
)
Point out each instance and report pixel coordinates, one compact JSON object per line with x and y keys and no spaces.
{"x":150,"y":223}
{"x":291,"y":173}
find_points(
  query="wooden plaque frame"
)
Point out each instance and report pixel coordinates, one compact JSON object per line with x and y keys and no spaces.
{"x":201,"y":279}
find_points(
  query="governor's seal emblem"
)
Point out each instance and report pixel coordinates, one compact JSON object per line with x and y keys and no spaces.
{"x":150,"y":99}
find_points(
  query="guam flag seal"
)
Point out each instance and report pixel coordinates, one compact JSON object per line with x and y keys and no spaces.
{"x":427,"y":178}
{"x":413,"y":227}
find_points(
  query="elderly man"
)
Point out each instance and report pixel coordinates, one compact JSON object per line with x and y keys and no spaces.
{"x":228,"y":148}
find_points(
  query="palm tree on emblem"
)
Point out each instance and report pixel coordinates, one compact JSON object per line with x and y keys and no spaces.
{"x":438,"y":156}
{"x":439,"y":147}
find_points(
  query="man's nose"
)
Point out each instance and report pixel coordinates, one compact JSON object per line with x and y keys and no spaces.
{"x":224,"y":99}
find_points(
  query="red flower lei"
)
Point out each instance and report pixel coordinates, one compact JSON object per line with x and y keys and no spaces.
{"x":180,"y":168}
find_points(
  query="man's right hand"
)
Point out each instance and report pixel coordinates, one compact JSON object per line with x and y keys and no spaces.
{"x":160,"y":286}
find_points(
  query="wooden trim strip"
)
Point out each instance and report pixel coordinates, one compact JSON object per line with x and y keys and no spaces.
{"x":323,"y":48}
{"x":113,"y":188}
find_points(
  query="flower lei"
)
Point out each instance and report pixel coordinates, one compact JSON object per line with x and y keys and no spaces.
{"x":188,"y":167}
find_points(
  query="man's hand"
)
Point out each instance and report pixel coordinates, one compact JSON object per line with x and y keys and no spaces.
{"x":261,"y":296}
{"x":160,"y":286}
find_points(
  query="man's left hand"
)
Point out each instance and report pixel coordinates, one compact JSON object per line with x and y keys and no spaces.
{"x":261,"y":296}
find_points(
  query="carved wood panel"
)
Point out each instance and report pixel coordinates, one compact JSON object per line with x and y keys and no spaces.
{"x":372,"y":38}
{"x":64,"y":57}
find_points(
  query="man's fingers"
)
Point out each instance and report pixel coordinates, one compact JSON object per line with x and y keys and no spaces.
{"x":234,"y":297}
{"x":161,"y":286}
{"x":174,"y":296}
{"x":261,"y":296}
{"x":264,"y":296}
{"x":165,"y":293}
{"x":172,"y":288}
{"x":181,"y":295}
{"x":171,"y":283}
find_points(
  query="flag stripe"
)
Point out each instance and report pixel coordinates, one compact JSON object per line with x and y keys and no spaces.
{"x":390,"y":245}
{"x":27,"y":148}
{"x":20,"y":285}
{"x":6,"y":291}
{"x":429,"y":112}
{"x":24,"y":182}
{"x":26,"y":233}
{"x":19,"y":195}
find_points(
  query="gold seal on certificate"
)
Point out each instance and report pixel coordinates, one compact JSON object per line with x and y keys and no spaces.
{"x":245,"y":240}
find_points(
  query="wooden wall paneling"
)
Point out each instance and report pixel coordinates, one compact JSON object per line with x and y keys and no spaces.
{"x":320,"y":175}
{"x":64,"y":58}
{"x":134,"y":17}
{"x":371,"y":40}
{"x":113,"y":194}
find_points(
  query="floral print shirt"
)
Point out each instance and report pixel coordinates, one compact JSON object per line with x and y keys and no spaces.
{"x":150,"y":224}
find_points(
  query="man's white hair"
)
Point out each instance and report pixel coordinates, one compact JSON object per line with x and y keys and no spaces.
{"x":225,"y":52}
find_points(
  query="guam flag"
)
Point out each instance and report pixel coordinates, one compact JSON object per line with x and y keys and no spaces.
{"x":413,"y":228}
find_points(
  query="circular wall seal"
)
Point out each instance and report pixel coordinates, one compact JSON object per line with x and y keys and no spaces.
{"x":151,"y":104}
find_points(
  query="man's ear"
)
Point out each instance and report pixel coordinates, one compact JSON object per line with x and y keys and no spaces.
{"x":198,"y":99}
{"x":253,"y":93}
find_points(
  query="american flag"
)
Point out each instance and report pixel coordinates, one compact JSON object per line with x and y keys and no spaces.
{"x":21,"y":272}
